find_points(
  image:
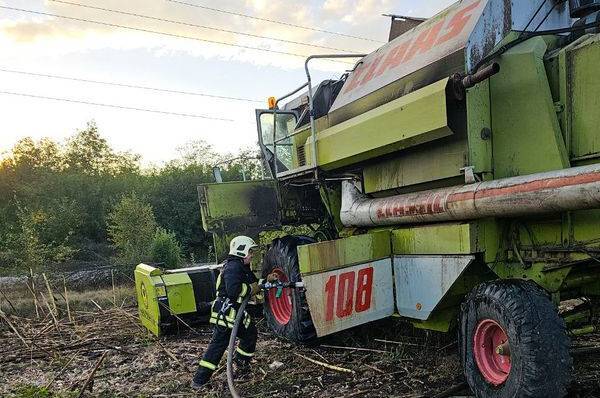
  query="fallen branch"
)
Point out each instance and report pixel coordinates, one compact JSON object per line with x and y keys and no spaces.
{"x":61,"y":371}
{"x":325,"y":365}
{"x":354,"y":348}
{"x":374,"y":368}
{"x":170,"y":355}
{"x":397,"y":343}
{"x":8,"y":301}
{"x":3,"y":316}
{"x":356,"y":394}
{"x":97,"y":305}
{"x":92,"y":373}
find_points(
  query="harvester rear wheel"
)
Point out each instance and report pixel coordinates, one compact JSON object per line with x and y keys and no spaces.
{"x":288,"y":316}
{"x":513,"y":342}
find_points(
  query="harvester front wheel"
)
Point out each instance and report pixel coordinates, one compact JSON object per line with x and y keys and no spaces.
{"x":287,"y":315}
{"x":513,"y":342}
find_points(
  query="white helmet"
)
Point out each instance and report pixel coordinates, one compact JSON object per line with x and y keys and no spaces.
{"x":240,"y":246}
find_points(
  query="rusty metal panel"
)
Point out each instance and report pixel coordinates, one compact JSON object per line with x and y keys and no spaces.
{"x":439,"y":37}
{"x":351,"y":296}
{"x":423,"y":281}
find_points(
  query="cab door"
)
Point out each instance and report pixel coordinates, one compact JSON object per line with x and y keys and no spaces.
{"x":274,"y":130}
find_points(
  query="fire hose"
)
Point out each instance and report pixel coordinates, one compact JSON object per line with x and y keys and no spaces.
{"x":238,"y":320}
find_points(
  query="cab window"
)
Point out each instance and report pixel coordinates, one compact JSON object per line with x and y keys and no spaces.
{"x":284,"y":126}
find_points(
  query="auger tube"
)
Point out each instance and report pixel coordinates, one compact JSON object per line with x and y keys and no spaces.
{"x":575,"y":188}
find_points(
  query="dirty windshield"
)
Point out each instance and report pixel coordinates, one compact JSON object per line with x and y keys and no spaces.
{"x":284,"y":127}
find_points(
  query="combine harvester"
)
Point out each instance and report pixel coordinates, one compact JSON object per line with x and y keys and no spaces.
{"x":451,"y":179}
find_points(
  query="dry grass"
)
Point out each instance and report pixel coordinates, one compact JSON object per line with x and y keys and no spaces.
{"x":18,"y":300}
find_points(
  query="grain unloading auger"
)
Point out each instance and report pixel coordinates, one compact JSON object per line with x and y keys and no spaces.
{"x":452,"y":179}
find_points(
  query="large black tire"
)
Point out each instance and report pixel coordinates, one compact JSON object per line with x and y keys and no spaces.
{"x":540,"y":362}
{"x":283,"y":258}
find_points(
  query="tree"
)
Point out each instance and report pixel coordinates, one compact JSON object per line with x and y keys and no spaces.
{"x":44,"y":154}
{"x":25,"y":247}
{"x":88,"y":152}
{"x":166,"y":249}
{"x":131,"y":228}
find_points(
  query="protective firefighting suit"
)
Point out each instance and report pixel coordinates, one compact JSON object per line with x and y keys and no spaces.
{"x":233,"y":285}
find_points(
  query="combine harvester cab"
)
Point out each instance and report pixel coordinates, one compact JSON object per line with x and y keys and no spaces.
{"x":452,"y":179}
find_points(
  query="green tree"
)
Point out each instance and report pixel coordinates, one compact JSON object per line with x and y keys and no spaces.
{"x":166,"y":249}
{"x":131,"y":228}
{"x":44,"y":154}
{"x":25,"y":248}
{"x":88,"y":152}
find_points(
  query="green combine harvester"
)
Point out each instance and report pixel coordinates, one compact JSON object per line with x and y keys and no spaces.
{"x":452,"y":178}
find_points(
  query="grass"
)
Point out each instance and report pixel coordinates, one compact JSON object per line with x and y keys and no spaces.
{"x":28,"y":391}
{"x":22,"y":303}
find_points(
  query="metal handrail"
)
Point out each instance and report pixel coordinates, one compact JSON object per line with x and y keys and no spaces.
{"x":310,"y":98}
{"x":291,"y":135}
{"x":290,"y":94}
{"x":310,"y":107}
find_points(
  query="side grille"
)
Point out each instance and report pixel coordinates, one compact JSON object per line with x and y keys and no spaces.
{"x":301,"y":156}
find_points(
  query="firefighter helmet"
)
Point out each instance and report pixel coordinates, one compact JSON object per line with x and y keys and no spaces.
{"x":240,"y":246}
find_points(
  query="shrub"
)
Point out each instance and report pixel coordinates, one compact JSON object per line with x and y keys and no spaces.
{"x":131,"y":228}
{"x":166,"y":249}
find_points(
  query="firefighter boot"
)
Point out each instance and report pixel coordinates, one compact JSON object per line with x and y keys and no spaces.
{"x":241,"y":368}
{"x":201,"y":378}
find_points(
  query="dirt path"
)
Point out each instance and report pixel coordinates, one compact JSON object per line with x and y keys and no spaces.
{"x":61,"y":356}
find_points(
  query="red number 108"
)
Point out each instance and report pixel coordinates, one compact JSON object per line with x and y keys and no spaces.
{"x":349,"y":292}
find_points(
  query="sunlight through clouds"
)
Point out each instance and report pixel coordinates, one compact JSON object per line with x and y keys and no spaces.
{"x":51,"y":45}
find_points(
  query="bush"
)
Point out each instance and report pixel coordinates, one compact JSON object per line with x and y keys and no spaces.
{"x":166,"y":249}
{"x":131,"y":227}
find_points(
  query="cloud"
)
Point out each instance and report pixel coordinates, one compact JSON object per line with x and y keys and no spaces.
{"x":335,"y":6}
{"x":64,"y":47}
{"x":61,"y":34}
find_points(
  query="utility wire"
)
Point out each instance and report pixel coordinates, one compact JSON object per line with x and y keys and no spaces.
{"x":274,"y":21}
{"x":113,"y":25}
{"x":195,"y":25}
{"x":127,"y":85}
{"x":115,"y":106}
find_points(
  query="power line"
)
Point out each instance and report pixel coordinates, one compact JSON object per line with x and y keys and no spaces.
{"x":74,"y":101}
{"x":113,"y":25}
{"x":274,"y":21}
{"x":127,"y":85}
{"x":196,"y":25}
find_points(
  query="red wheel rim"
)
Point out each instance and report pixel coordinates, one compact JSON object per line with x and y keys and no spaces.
{"x":281,"y":307}
{"x":492,"y":351}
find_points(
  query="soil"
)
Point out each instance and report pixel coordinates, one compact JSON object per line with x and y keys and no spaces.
{"x":385,"y":359}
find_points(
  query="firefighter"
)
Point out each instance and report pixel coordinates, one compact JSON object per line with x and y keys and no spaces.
{"x":234,"y":283}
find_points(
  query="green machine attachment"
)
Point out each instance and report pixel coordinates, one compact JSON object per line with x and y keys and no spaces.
{"x":168,"y":296}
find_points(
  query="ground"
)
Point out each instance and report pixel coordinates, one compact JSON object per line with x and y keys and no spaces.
{"x":54,"y":358}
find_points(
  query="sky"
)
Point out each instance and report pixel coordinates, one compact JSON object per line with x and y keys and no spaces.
{"x":44,"y":44}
